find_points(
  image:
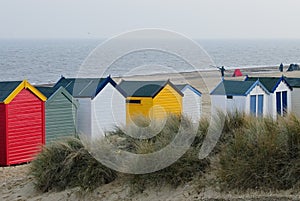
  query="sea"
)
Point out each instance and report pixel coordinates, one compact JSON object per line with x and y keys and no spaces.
{"x":42,"y":61}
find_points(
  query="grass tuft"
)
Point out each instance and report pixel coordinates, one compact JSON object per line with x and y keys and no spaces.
{"x":68,"y":164}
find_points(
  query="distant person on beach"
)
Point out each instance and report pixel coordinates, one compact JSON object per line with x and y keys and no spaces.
{"x":222,"y":69}
{"x":281,"y":67}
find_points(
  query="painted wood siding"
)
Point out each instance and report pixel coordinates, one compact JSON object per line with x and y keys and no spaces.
{"x":26,"y":127}
{"x":218,"y":103}
{"x":3,"y":147}
{"x":228,"y":105}
{"x":191,"y":105}
{"x":295,"y":101}
{"x":167,"y":101}
{"x":108,"y":111}
{"x":60,"y":117}
{"x":84,"y":117}
{"x":134,"y":110}
{"x":237,"y":103}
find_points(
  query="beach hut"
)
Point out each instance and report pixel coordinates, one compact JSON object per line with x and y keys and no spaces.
{"x":280,"y":94}
{"x":249,"y":97}
{"x":295,"y":94}
{"x":101,"y":104}
{"x":61,"y":110}
{"x":22,"y":122}
{"x":152,"y":99}
{"x":191,"y":102}
{"x":237,"y":73}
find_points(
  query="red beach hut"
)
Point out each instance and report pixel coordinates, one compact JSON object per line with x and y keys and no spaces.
{"x":237,"y":73}
{"x":22,"y":122}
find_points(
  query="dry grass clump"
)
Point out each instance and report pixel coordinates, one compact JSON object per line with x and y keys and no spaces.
{"x":185,"y":169}
{"x":67,"y":164}
{"x":227,"y":124}
{"x":261,"y":154}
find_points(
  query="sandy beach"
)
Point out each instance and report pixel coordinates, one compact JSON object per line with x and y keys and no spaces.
{"x":15,"y":184}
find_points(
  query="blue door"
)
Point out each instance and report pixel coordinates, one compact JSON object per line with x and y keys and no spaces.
{"x":278,"y":102}
{"x":284,"y":102}
{"x":260,"y":106}
{"x":253,"y":104}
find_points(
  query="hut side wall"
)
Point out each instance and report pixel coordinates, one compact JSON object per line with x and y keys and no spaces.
{"x":108,"y":111}
{"x":218,"y":103}
{"x":168,"y":100}
{"x":295,"y":101}
{"x":26,"y":127}
{"x":60,"y":117}
{"x":236,"y":104}
{"x":84,"y":117}
{"x":191,"y":105}
{"x":134,"y":109}
{"x":3,"y":152}
{"x":225,"y":104}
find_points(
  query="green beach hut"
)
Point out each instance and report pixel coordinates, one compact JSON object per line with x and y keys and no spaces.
{"x":61,"y":110}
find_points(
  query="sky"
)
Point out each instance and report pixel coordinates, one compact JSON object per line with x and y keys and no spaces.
{"x":107,"y":18}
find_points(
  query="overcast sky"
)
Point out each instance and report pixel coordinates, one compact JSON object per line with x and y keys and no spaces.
{"x":106,"y":18}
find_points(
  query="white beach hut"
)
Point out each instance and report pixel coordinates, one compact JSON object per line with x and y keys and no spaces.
{"x":249,"y":97}
{"x":295,"y":95}
{"x":191,"y":102}
{"x":280,"y":94}
{"x":101,"y":104}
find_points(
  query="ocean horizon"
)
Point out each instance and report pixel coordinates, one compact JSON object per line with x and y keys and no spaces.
{"x":46,"y":60}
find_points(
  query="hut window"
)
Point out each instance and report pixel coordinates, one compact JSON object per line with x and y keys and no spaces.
{"x":134,"y":101}
{"x":229,"y":97}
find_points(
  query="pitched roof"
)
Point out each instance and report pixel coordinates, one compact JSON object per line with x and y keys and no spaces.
{"x":50,"y":93}
{"x":182,"y":87}
{"x":8,"y":90}
{"x":293,"y":82}
{"x":47,"y":91}
{"x":235,"y":88}
{"x":144,"y":88}
{"x":84,"y":87}
{"x":271,"y":83}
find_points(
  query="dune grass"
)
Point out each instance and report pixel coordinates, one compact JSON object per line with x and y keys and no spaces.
{"x":183,"y":170}
{"x":253,"y":153}
{"x":67,"y":164}
{"x":261,"y":154}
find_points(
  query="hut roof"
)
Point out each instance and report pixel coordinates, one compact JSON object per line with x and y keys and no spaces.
{"x":144,"y":88}
{"x":47,"y":91}
{"x":51,"y":91}
{"x":181,"y":87}
{"x":293,"y":82}
{"x":8,"y":90}
{"x":236,"y":88}
{"x":85,"y":87}
{"x":271,"y":83}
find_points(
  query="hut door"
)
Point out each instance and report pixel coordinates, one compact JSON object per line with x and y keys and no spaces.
{"x":278,"y":102}
{"x":260,"y":105}
{"x":284,"y":102}
{"x":281,"y":102}
{"x":253,"y":104}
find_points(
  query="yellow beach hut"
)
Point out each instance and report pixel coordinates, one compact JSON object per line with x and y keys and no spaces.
{"x":151,"y":99}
